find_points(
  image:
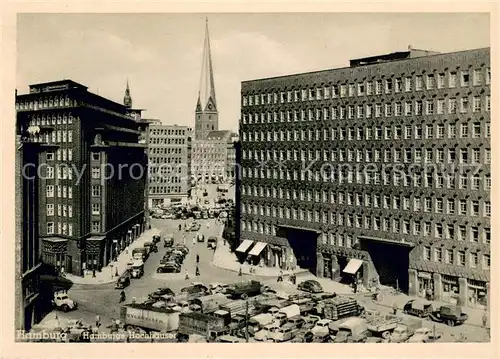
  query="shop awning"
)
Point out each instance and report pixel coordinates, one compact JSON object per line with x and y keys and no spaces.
{"x":259,"y":246}
{"x":243,"y":247}
{"x":353,"y":266}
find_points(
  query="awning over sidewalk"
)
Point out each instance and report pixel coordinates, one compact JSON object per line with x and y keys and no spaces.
{"x":243,"y":247}
{"x":259,"y":246}
{"x":353,"y":266}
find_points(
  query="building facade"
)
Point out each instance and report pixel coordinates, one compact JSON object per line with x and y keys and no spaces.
{"x":92,"y":183}
{"x":207,"y":115}
{"x":213,"y":159}
{"x":169,"y":167}
{"x":379,"y":171}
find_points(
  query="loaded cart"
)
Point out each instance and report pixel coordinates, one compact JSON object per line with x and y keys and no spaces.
{"x":339,"y":307}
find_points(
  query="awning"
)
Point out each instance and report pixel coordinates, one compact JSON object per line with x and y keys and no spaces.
{"x":55,"y":239}
{"x":353,"y":266}
{"x":243,"y":247}
{"x":96,"y":238}
{"x":259,"y":246}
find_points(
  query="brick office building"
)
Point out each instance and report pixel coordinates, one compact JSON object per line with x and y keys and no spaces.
{"x":352,"y":213}
{"x":87,"y":213}
{"x":169,"y":164}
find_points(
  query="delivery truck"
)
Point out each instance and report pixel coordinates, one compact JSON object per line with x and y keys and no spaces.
{"x":149,"y":318}
{"x":210,"y":303}
{"x":209,"y":326}
{"x":339,"y":307}
{"x":405,"y":329}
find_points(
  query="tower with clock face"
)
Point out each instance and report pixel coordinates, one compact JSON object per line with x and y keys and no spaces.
{"x":207,"y":115}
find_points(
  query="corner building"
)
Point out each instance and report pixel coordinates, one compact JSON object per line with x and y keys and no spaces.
{"x":169,"y":166}
{"x":377,"y":172}
{"x":86,"y":213}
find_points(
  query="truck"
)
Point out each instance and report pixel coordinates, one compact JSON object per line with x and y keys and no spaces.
{"x":207,"y":325}
{"x":351,"y":330}
{"x":139,"y":253}
{"x":285,"y":313}
{"x":244,"y":289}
{"x":211,"y":303}
{"x":450,"y":314}
{"x":404,"y":330}
{"x":381,"y":324}
{"x":238,"y":307}
{"x":339,"y":307}
{"x":148,"y":318}
{"x":306,"y":305}
{"x":61,"y":301}
{"x":137,"y":269}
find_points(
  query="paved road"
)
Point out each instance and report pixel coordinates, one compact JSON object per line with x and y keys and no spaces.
{"x":103,"y":299}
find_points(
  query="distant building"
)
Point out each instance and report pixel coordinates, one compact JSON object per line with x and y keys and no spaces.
{"x":212,"y":159}
{"x":207,"y":115}
{"x":90,"y":197}
{"x":169,"y":168}
{"x":346,"y":189}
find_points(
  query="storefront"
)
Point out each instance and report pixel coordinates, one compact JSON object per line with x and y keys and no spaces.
{"x":54,"y":252}
{"x":258,"y":252}
{"x":450,"y":289}
{"x":425,"y":284}
{"x":327,"y":268}
{"x":477,"y":293}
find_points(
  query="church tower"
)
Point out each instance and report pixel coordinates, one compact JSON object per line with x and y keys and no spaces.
{"x":127,"y":99}
{"x":207,"y":116}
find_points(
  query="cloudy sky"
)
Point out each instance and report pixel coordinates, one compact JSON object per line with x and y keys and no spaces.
{"x":161,"y":54}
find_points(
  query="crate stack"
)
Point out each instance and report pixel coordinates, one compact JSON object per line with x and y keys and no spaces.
{"x":339,"y":307}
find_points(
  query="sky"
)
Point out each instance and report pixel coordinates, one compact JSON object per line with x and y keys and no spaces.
{"x":161,"y":54}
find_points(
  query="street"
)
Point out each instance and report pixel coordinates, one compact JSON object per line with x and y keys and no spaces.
{"x":103,"y":300}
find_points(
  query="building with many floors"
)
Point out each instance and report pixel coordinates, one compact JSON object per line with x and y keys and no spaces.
{"x":213,"y":159}
{"x":378,"y":172}
{"x":91,"y":185}
{"x":169,"y":167}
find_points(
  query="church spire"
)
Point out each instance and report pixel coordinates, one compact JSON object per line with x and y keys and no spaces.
{"x":206,"y":93}
{"x":127,"y":99}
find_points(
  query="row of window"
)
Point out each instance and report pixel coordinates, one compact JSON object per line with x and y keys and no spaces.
{"x":45,"y":102}
{"x":466,"y":207}
{"x":374,"y":155}
{"x":62,"y":191}
{"x":64,"y":118}
{"x":463,"y":233}
{"x":389,"y":132}
{"x":378,"y":110}
{"x":455,"y":257}
{"x":169,"y":159}
{"x":165,"y":171}
{"x":164,"y":190}
{"x":63,"y":210}
{"x":166,"y":132}
{"x":162,"y":179}
{"x":59,"y":136}
{"x":167,"y":141}
{"x":388,"y":86}
{"x":62,"y":154}
{"x":165,"y":151}
{"x":63,"y":228}
{"x":369,"y":177}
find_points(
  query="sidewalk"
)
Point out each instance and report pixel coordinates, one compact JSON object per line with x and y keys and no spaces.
{"x":108,"y":273}
{"x":223,"y":258}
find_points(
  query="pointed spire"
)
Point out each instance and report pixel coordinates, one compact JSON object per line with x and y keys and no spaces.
{"x":127,"y":99}
{"x":206,"y":94}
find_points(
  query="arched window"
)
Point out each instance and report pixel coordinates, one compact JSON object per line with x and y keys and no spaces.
{"x":66,"y":101}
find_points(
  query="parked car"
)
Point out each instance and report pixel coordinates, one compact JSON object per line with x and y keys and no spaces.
{"x":160,"y":292}
{"x":311,"y":286}
{"x":169,"y":267}
{"x":123,"y":281}
{"x":212,"y":242}
{"x":167,"y":216}
{"x":418,"y":307}
{"x":200,"y":237}
{"x":181,"y":247}
{"x":424,"y":335}
{"x":156,"y":238}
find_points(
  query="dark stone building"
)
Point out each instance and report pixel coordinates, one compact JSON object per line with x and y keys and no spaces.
{"x":91,"y":184}
{"x":378,"y":172}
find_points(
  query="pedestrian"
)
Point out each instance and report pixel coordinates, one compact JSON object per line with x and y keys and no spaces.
{"x":355,"y":287}
{"x":240,"y":272}
{"x":197,"y":258}
{"x":395,"y":308}
{"x":197,"y":271}
{"x":62,"y":271}
{"x":93,"y":272}
{"x":97,"y":321}
{"x":187,"y":274}
{"x":194,"y":241}
{"x":485,"y":319}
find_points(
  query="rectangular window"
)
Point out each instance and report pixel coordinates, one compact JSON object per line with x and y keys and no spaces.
{"x":464,"y":78}
{"x":96,"y":208}
{"x":427,"y":254}
{"x":96,"y":172}
{"x":452,"y":79}
{"x":50,"y":209}
{"x":430,"y":82}
{"x":50,"y":227}
{"x":440,"y":82}
{"x":408,"y":84}
{"x":96,"y":190}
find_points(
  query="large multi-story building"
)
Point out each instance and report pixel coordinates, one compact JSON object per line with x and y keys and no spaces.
{"x":169,"y":167}
{"x":91,"y":185}
{"x":379,"y":170}
{"x":28,"y":265}
{"x":213,"y":159}
{"x":207,"y":115}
